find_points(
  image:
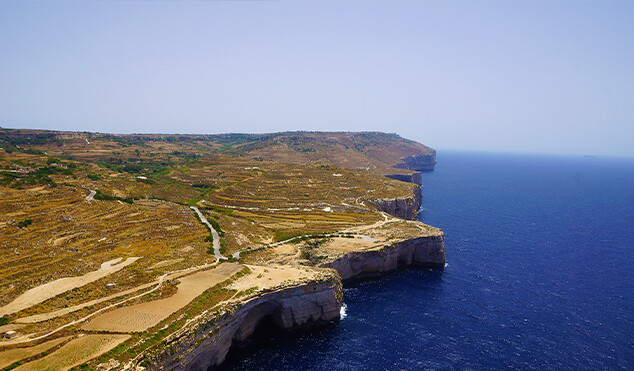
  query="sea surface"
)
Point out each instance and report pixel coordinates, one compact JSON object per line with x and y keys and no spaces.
{"x":540,"y":275}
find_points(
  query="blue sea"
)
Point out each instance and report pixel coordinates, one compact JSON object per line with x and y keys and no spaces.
{"x":539,"y":275}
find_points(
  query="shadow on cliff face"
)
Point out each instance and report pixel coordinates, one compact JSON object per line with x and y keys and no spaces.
{"x":267,"y":335}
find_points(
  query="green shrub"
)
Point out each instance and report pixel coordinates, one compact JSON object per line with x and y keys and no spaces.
{"x":146,"y":181}
{"x":33,"y":151}
{"x":24,"y":223}
{"x":103,"y":197}
{"x":219,"y":209}
{"x":214,"y":223}
{"x":106,"y":197}
{"x":282,"y":236}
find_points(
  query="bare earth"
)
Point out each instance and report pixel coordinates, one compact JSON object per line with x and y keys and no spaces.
{"x":269,"y":276}
{"x":348,"y":244}
{"x":140,"y":317}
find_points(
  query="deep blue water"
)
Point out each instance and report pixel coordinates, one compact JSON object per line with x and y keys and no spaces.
{"x":540,"y":275}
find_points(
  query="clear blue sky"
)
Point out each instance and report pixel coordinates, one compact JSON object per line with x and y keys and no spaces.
{"x":534,"y":76}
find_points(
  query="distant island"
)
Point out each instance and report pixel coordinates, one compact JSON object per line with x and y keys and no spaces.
{"x":162,"y":251}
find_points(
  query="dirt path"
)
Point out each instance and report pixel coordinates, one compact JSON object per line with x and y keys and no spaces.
{"x":142,"y":316}
{"x":237,"y":254}
{"x":49,"y":290}
{"x":214,"y":233}
{"x":386,"y":219}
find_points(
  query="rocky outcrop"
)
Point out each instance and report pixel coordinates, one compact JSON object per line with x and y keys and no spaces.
{"x":402,"y":207}
{"x":419,"y":162}
{"x":428,"y":251}
{"x":206,"y":341}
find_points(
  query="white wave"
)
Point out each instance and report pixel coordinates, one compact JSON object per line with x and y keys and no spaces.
{"x":342,"y":312}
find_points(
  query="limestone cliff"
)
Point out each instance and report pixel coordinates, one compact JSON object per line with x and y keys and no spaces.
{"x":426,"y":251}
{"x":206,"y":341}
{"x":425,"y":162}
{"x":407,"y":207}
{"x":415,"y":177}
{"x":402,"y":207}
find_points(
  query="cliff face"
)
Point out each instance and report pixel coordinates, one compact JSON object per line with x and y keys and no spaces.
{"x":426,"y":251}
{"x":419,"y":162}
{"x":405,"y":207}
{"x":415,"y":178}
{"x":205,"y":342}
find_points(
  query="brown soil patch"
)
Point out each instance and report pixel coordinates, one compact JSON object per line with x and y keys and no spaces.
{"x":140,"y":317}
{"x":286,"y":249}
